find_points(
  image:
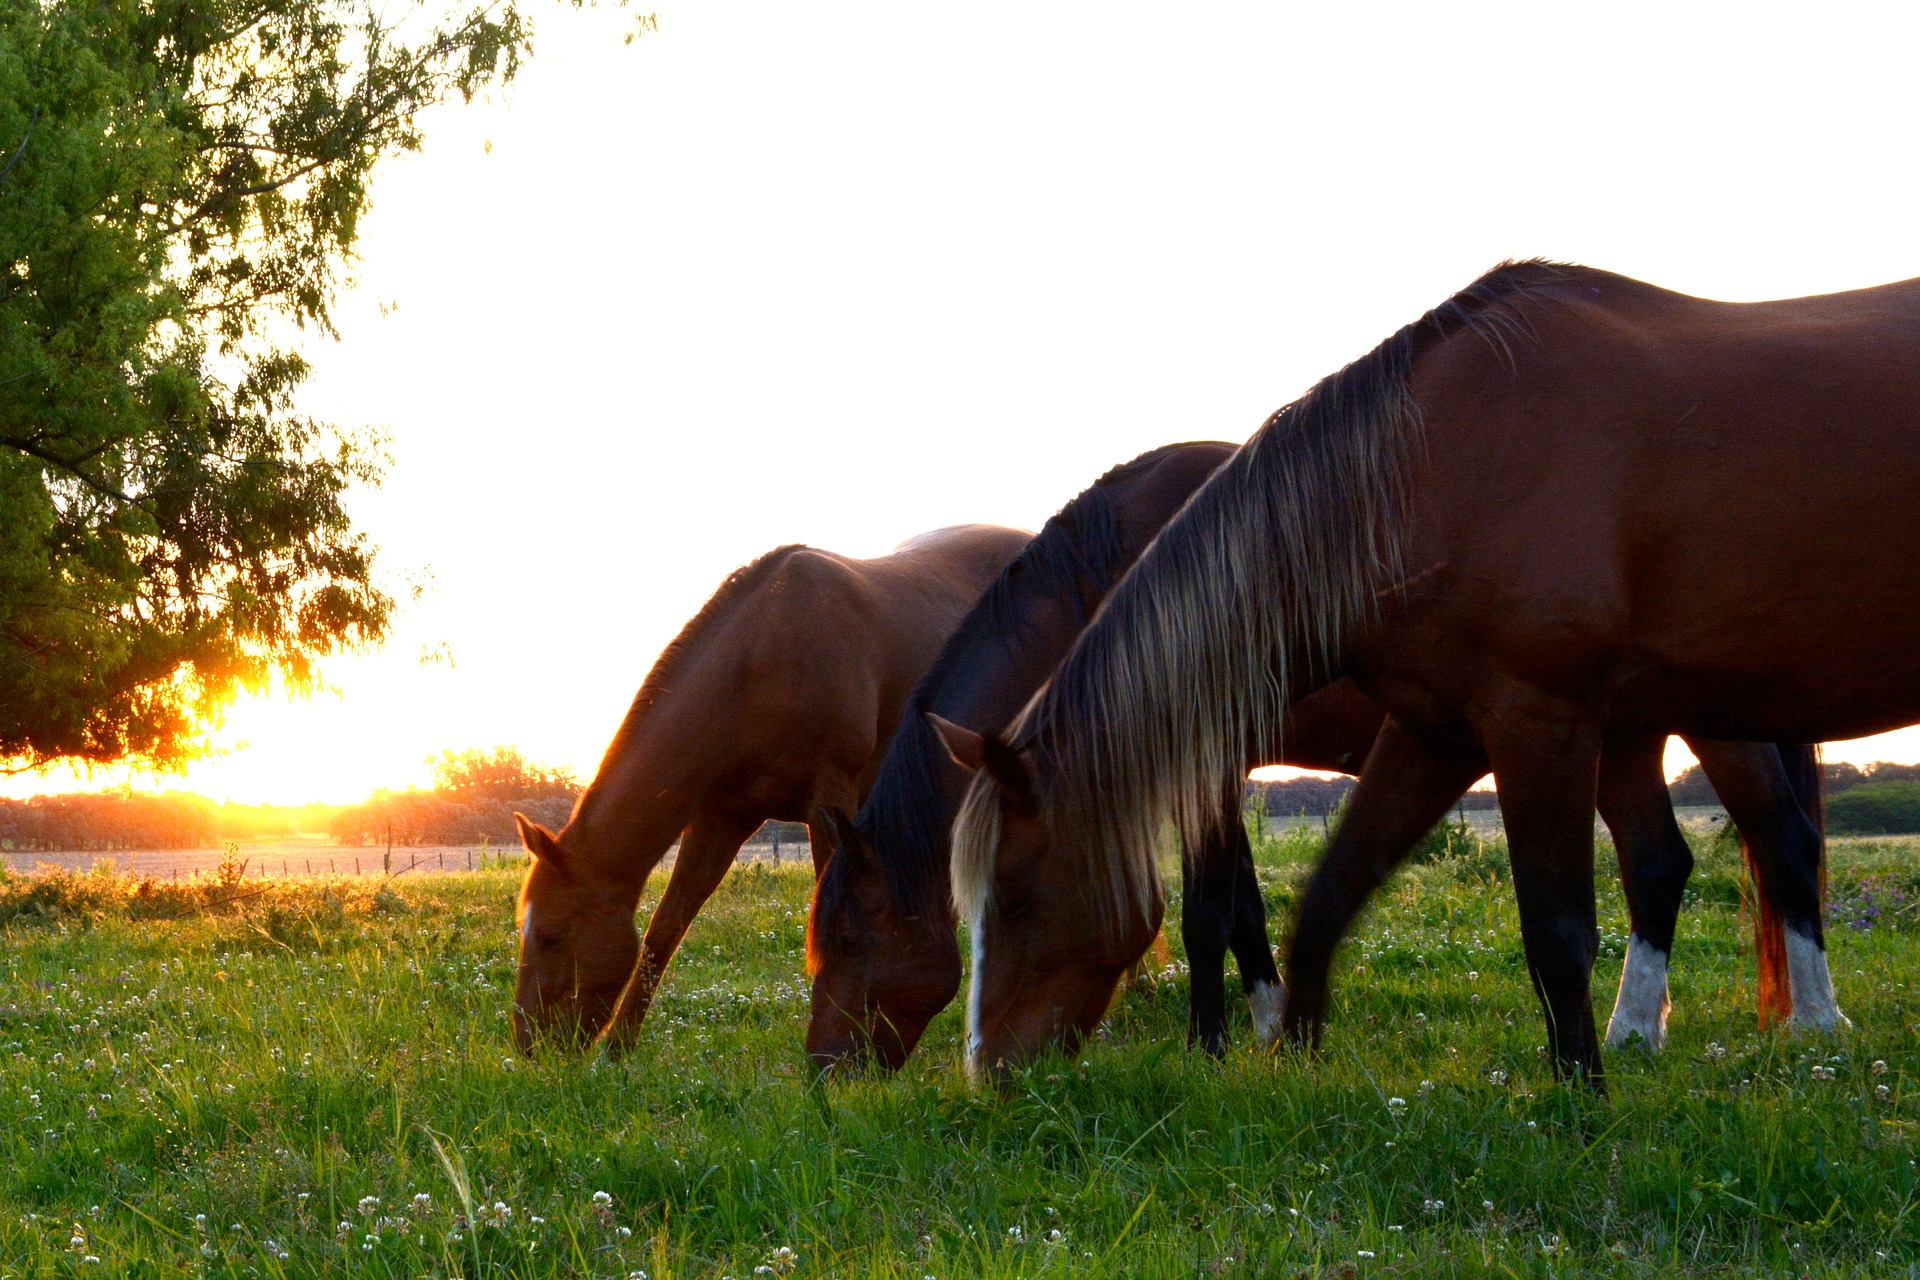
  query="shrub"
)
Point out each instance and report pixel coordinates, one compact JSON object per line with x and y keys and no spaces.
{"x":1875,"y":809}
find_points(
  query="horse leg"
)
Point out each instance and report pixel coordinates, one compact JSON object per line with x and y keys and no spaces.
{"x":1252,"y":949}
{"x":707,"y":849}
{"x":1221,"y":909}
{"x":1655,"y":863}
{"x":1546,"y":756}
{"x":1406,"y":787}
{"x":1785,"y":851}
{"x":1205,"y":912}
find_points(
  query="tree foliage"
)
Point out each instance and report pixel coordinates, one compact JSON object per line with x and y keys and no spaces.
{"x":503,"y":773}
{"x":181,"y":189}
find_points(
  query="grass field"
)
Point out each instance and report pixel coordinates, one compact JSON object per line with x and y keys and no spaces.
{"x":318,"y":1081}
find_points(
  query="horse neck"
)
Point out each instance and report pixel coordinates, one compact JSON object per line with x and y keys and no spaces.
{"x":654,"y":775}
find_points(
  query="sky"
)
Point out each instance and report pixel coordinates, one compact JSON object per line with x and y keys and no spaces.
{"x":841,"y":274}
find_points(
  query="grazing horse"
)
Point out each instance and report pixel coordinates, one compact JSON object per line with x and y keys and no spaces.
{"x":1563,"y":510}
{"x":775,"y":699}
{"x":880,"y":938}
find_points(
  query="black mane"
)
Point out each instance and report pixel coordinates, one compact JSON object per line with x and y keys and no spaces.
{"x":903,"y":817}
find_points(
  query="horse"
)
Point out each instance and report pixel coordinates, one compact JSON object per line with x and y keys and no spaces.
{"x":776,"y":698}
{"x":1563,"y":511}
{"x":880,"y":939}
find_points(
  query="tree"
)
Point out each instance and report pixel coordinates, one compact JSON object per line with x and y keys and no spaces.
{"x":503,"y":775}
{"x":181,"y":187}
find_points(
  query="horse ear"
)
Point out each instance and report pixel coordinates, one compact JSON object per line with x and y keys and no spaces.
{"x":847,"y":840}
{"x":539,"y":841}
{"x":1010,"y":768}
{"x":968,"y":749}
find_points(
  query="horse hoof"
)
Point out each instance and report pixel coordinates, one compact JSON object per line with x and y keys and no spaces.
{"x":1268,"y":1004}
{"x":1622,"y":1035}
{"x":1828,"y":1022}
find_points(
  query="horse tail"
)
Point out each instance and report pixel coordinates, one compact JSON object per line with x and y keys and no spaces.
{"x":1805,"y":776}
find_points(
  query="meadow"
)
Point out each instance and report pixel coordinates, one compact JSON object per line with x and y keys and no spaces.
{"x":315,"y":1078}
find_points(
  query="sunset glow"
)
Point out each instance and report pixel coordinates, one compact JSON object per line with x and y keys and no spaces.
{"x":778,"y":274}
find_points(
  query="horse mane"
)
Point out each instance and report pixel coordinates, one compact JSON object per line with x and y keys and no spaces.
{"x":903,"y":819}
{"x":734,"y":588}
{"x":1269,"y":566}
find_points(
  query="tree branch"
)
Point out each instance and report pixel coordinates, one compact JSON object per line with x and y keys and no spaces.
{"x":22,"y":148}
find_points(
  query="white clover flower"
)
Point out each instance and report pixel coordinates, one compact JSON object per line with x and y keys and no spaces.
{"x":638,"y":1275}
{"x":1431,"y":1205}
{"x":1879,"y":1066}
{"x":1822,"y":1073}
{"x":601,"y":1200}
{"x":1396,"y":1105}
{"x":421,"y":1202}
{"x":1426,"y":1088}
{"x":1015,"y":1234}
{"x":368,"y":1204}
{"x":1366,"y":1253}
{"x":1881,"y":1092}
{"x":1497,"y":1077}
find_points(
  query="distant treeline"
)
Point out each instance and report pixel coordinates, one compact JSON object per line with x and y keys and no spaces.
{"x":1692,"y":787}
{"x":1318,"y":796}
{"x":473,"y":799}
{"x":476,"y":793}
{"x":103,"y":821}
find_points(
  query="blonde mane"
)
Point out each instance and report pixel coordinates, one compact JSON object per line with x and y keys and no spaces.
{"x":1259,"y":581}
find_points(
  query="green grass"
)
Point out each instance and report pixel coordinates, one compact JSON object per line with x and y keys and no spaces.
{"x":184,"y":1079}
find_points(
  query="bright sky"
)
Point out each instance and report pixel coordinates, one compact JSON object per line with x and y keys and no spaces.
{"x":839,"y":274}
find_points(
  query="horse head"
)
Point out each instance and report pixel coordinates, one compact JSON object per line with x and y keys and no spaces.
{"x":577,"y":946}
{"x":1046,"y":959}
{"x":881,"y":968}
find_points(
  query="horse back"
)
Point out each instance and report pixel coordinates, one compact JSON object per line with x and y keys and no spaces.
{"x":1704,"y":504}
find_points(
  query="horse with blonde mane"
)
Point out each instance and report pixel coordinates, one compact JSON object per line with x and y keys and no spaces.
{"x":880,"y":937}
{"x":1564,"y":511}
{"x":777,"y":698}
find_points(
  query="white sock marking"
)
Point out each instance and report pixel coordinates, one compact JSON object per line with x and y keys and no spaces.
{"x":1814,"y":1008}
{"x":1641,"y":1007}
{"x":977,"y":936}
{"x":1267,"y":1001}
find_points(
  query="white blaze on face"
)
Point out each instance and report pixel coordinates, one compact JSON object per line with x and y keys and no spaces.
{"x":1641,"y":1007}
{"x":1814,"y":1008}
{"x":1268,"y":1003}
{"x":977,"y":935}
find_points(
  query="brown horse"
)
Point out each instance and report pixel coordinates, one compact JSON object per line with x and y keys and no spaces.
{"x":880,"y":939}
{"x":1563,"y":510}
{"x":778,"y":697}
